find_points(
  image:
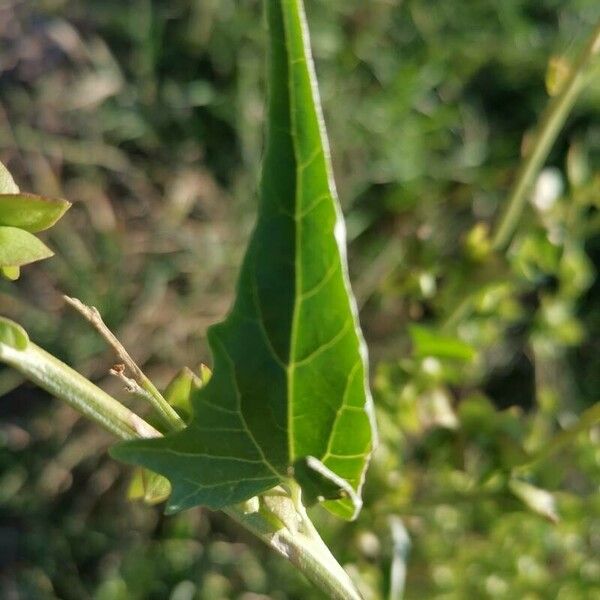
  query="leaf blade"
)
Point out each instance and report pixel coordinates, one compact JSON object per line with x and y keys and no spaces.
{"x":30,"y":212}
{"x":290,"y":368}
{"x":19,"y":247}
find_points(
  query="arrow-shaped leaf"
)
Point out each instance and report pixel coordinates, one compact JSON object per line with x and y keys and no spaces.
{"x":289,"y":377}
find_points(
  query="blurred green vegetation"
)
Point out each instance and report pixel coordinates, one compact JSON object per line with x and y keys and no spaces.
{"x":148,"y":116}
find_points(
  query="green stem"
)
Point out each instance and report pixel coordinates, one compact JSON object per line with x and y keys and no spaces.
{"x":550,"y":124}
{"x":548,"y":129}
{"x":308,"y":554}
{"x":67,"y":384}
{"x":588,"y":419}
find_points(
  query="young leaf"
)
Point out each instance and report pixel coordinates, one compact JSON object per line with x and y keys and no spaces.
{"x":427,"y":342}
{"x":320,"y":484}
{"x":148,"y":487}
{"x":13,"y":335}
{"x":179,"y":391}
{"x":19,"y":247}
{"x":21,"y":215}
{"x":10,"y":273}
{"x":30,"y":212}
{"x":289,"y":378}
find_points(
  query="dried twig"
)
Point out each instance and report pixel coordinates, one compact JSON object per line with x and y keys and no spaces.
{"x":143,"y":386}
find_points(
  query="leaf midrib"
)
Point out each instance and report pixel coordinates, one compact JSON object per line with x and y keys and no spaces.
{"x":298,"y":229}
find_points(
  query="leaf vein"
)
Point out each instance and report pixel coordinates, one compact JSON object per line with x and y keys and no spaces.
{"x":342,"y":407}
{"x":241,"y":414}
{"x":312,"y":157}
{"x":261,"y":325}
{"x":323,"y":282}
{"x":312,"y":206}
{"x":212,"y":456}
{"x":326,"y":346}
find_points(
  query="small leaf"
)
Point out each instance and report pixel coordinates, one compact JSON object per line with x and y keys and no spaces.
{"x":578,"y":164}
{"x":536,"y":499}
{"x":19,"y":247}
{"x":557,"y":73}
{"x":290,"y":372}
{"x":178,"y":392}
{"x":430,"y":343}
{"x":11,"y":273}
{"x":30,"y":212}
{"x":205,"y":374}
{"x":13,"y":335}
{"x":320,"y":484}
{"x":478,"y":243}
{"x":148,"y":487}
{"x":7,"y":183}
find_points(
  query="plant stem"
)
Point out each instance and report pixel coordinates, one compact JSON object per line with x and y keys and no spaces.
{"x":550,"y":125}
{"x":67,"y":384}
{"x":588,"y":419}
{"x":309,"y":555}
{"x":547,"y":130}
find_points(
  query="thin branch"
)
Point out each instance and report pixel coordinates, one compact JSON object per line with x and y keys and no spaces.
{"x":153,"y":396}
{"x":588,"y":419}
{"x":548,"y":129}
{"x":131,"y":385}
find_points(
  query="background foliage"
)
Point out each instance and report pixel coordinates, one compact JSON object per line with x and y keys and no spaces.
{"x":148,"y":116}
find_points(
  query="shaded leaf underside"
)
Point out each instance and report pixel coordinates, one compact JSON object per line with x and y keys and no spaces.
{"x":289,"y":362}
{"x":19,"y":247}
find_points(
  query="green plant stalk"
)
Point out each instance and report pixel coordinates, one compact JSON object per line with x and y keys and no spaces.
{"x":588,"y":419}
{"x":81,"y":394}
{"x":304,"y":549}
{"x":548,"y":129}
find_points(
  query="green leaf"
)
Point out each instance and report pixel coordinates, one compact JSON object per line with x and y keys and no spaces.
{"x":30,"y":212}
{"x":13,"y":335}
{"x":19,"y":247}
{"x":320,"y":484}
{"x":11,"y":273}
{"x":289,"y":378}
{"x":179,"y":391}
{"x":148,"y":487}
{"x":7,"y":183}
{"x":430,"y":343}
